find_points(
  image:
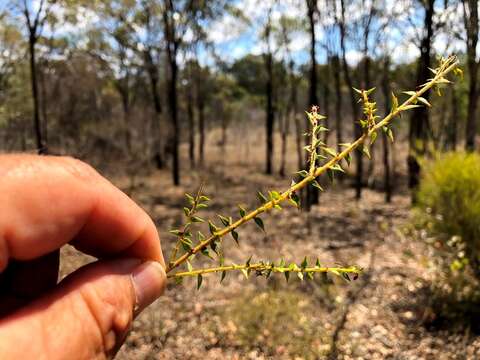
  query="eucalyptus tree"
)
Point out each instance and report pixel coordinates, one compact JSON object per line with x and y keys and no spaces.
{"x":115,"y":47}
{"x":287,"y":27}
{"x":35,"y":16}
{"x":269,"y":88}
{"x":312,"y":193}
{"x":419,"y":119}
{"x":341,"y":21}
{"x":178,"y":17}
{"x":149,"y":42}
{"x":470,"y":19}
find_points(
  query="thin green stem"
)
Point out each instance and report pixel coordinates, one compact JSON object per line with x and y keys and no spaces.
{"x":267,"y":267}
{"x":446,"y":66}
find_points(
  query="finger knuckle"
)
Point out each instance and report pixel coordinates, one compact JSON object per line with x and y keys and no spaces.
{"x":111,"y":316}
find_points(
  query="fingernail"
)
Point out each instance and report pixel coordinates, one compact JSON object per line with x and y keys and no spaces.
{"x":149,"y":282}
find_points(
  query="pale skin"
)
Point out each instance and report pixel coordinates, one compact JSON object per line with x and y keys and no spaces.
{"x":46,"y":203}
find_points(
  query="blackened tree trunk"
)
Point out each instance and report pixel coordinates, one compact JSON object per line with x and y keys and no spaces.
{"x":385,"y":144}
{"x":357,"y":130}
{"x":312,"y":89}
{"x":43,"y":97}
{"x":41,"y":146}
{"x":284,"y":136}
{"x":201,"y":130}
{"x":270,"y":117}
{"x":311,"y":192}
{"x":172,"y":43}
{"x":34,"y":26}
{"x":368,"y":84}
{"x":470,"y":9}
{"x":172,"y":106}
{"x":419,"y":120}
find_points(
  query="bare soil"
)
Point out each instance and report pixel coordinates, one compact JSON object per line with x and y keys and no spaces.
{"x":379,"y":316}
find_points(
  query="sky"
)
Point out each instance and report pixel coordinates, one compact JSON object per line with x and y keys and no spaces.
{"x":233,"y":38}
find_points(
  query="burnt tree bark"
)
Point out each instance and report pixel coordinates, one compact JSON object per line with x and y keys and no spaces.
{"x":172,"y":44}
{"x":385,"y":141}
{"x":470,"y":9}
{"x":311,"y":196}
{"x":201,"y":130}
{"x":419,"y":120}
{"x":34,"y":26}
{"x":285,"y":124}
{"x":270,"y":116}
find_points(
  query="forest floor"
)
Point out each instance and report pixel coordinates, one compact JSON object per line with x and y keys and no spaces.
{"x":378,"y":316}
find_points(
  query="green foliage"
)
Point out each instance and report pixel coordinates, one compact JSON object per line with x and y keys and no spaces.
{"x":449,"y":197}
{"x":448,"y":217}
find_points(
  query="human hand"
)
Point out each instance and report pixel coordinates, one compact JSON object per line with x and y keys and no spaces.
{"x":45,"y":203}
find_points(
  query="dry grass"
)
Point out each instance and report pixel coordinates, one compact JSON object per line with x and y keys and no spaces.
{"x":377,"y":317}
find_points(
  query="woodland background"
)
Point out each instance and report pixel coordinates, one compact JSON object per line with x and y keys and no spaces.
{"x":162,"y":95}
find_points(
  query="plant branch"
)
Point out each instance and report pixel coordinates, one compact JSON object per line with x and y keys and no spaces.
{"x":262,"y":267}
{"x":446,"y":66}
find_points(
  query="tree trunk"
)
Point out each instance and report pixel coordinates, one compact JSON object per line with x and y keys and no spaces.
{"x":472,"y":28}
{"x":201,"y":130}
{"x":357,"y":130}
{"x":285,"y":130}
{"x":385,"y":140}
{"x":172,"y":43}
{"x":368,"y":84}
{"x":172,"y":105}
{"x":311,"y":192}
{"x":41,"y":146}
{"x":191,"y":123}
{"x":43,"y":97}
{"x":471,"y":128}
{"x":269,"y":124}
{"x":200,"y":104}
{"x":419,"y":120}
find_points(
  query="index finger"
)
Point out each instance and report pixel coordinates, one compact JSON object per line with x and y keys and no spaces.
{"x":46,"y":202}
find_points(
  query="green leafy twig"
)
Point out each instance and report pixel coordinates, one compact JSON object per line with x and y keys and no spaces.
{"x":266,"y":269}
{"x":370,"y":127}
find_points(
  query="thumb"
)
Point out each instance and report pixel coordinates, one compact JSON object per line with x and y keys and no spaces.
{"x":87,"y":316}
